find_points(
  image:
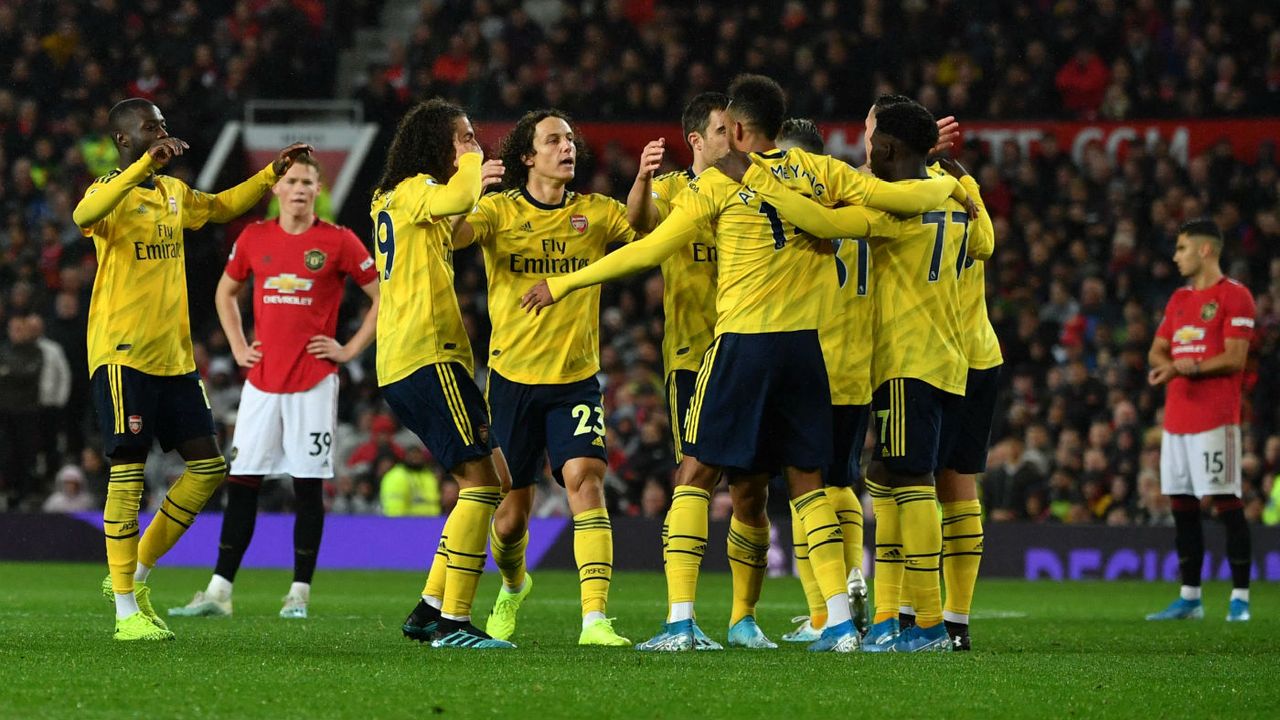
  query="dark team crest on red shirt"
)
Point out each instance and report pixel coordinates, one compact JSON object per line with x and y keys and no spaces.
{"x":579,"y":223}
{"x":314,"y":259}
{"x":1209,"y":310}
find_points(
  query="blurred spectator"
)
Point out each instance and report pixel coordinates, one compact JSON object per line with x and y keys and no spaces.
{"x":21,"y":366}
{"x":380,"y":447}
{"x":410,"y":488}
{"x":70,"y":493}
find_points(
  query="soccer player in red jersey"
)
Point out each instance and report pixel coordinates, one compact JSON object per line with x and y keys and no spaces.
{"x":1199,"y":352}
{"x":288,"y":409}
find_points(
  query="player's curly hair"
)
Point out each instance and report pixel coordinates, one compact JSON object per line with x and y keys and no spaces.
{"x":911,"y":123}
{"x":518,"y":145}
{"x":802,"y":133}
{"x":760,"y":101}
{"x":423,"y":143}
{"x":889,"y":100}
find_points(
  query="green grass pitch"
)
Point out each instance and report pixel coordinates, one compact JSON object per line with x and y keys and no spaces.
{"x":1041,"y":650}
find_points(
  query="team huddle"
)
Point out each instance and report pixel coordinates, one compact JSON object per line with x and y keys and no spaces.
{"x":803,"y":298}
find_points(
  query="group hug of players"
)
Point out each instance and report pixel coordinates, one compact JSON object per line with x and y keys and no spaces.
{"x":802,"y":296}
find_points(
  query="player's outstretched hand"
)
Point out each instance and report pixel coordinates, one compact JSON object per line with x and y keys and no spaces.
{"x":286,"y":157}
{"x":326,"y":348}
{"x":651,"y":157}
{"x":948,"y":135}
{"x":249,"y":356}
{"x":1161,"y":374}
{"x":538,"y":297}
{"x":166,"y":149}
{"x":734,"y":165}
{"x":491,"y":173}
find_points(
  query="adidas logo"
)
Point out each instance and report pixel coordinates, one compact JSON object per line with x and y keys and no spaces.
{"x":526,"y":227}
{"x":893,"y":554}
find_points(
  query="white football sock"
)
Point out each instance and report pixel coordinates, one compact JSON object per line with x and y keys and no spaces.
{"x":1190,"y":593}
{"x":680,"y":611}
{"x":301,"y":590}
{"x":126,"y":605}
{"x":591,"y":617}
{"x":219,"y":587}
{"x":1240,"y":594}
{"x":141,"y":573}
{"x":838,"y":610}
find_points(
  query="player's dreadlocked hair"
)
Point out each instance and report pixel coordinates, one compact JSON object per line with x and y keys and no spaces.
{"x":697,"y":114}
{"x":518,"y":145}
{"x":423,"y":144}
{"x":801,"y":133}
{"x":760,"y":101}
{"x":911,"y":123}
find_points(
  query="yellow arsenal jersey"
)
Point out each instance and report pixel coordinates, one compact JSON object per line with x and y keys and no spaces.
{"x":689,"y":286}
{"x":525,"y":241}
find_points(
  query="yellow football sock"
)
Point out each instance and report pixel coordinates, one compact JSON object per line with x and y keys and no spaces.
{"x":664,"y":539}
{"x":812,"y":595}
{"x":181,"y":504}
{"x":509,"y":558}
{"x":465,"y":530}
{"x":748,"y":549}
{"x":436,"y":575}
{"x":889,"y":560}
{"x":849,"y":511}
{"x":961,"y":555}
{"x":826,"y":544}
{"x":125,"y":486}
{"x":686,"y":542}
{"x":922,"y":546}
{"x":593,"y":550}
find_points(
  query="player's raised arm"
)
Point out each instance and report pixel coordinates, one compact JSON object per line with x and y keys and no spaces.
{"x":813,"y":218}
{"x":680,"y":228}
{"x":982,"y":233}
{"x":201,"y":207}
{"x":102,"y":197}
{"x":863,"y":189}
{"x":642,"y":211}
{"x":462,"y":192}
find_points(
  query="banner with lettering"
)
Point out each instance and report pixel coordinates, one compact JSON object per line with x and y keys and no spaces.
{"x":1186,"y":139}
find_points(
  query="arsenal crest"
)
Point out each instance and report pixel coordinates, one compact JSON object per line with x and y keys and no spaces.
{"x":1209,"y":310}
{"x":135,"y":424}
{"x":579,"y":223}
{"x":314,"y":259}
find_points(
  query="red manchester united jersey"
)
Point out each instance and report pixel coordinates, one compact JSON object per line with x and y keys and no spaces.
{"x":297,"y":288}
{"x":1197,"y":324}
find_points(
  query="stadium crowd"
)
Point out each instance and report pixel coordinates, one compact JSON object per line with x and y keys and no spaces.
{"x":1076,"y":287}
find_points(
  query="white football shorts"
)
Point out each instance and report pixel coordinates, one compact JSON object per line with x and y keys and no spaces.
{"x":286,"y":433}
{"x":1201,"y":464}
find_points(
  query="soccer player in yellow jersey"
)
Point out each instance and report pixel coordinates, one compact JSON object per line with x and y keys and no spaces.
{"x":542,"y":381}
{"x":845,"y":332}
{"x":969,"y":428}
{"x":434,"y":172}
{"x":688,"y":301}
{"x":761,"y":397}
{"x":145,"y":384}
{"x":919,"y":364}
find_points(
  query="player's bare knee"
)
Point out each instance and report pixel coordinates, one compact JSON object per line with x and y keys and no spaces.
{"x":476,"y":473}
{"x":956,"y":487}
{"x":801,"y":481}
{"x":692,"y":472}
{"x":511,"y":519}
{"x":584,"y":482}
{"x":750,"y":499}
